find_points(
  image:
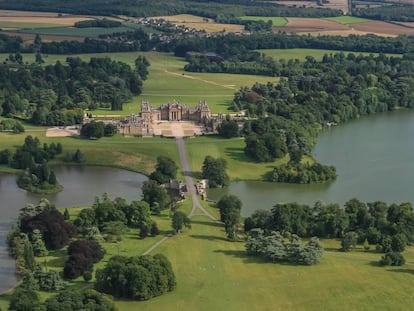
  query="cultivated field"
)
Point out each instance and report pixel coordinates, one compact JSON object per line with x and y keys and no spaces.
{"x":343,"y":26}
{"x":332,"y":4}
{"x":200,"y":23}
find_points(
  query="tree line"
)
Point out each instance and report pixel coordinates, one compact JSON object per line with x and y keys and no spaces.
{"x":395,"y":12}
{"x":387,"y":226}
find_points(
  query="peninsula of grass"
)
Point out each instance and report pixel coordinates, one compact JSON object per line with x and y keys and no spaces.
{"x":276,"y":21}
{"x":42,"y":189}
{"x":239,"y":166}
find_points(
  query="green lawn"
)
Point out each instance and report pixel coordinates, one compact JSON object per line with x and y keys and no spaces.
{"x":91,"y":32}
{"x":348,"y":19}
{"x":301,"y":54}
{"x":238,"y":165}
{"x":277,"y":21}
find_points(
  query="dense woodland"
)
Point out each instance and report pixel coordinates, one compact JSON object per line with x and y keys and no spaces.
{"x":58,"y":94}
{"x":401,"y":12}
{"x":159,"y":7}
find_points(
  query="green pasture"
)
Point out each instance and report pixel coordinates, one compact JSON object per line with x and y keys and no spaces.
{"x":167,"y":81}
{"x":348,"y":19}
{"x":301,"y":54}
{"x":91,"y":32}
{"x":239,"y":167}
{"x":276,"y":21}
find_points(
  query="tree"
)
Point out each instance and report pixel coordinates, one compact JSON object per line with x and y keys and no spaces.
{"x":228,"y":128}
{"x":154,"y":229}
{"x":93,"y":130}
{"x":155,"y":196}
{"x":77,"y":300}
{"x":24,"y":300}
{"x":215,"y":171}
{"x":66,"y":215}
{"x":82,"y":255}
{"x":39,"y":247}
{"x":139,"y":278}
{"x":141,"y":66}
{"x":230,"y":208}
{"x":180,"y":220}
{"x":78,"y":157}
{"x":398,"y":243}
{"x":349,"y":241}
{"x":165,"y":170}
{"x":392,"y":259}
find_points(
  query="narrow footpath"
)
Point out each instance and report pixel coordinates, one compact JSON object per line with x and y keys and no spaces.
{"x":189,"y":181}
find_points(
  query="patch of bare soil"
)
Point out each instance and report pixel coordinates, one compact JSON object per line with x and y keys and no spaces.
{"x":383,"y":27}
{"x":63,"y":131}
{"x":306,"y":25}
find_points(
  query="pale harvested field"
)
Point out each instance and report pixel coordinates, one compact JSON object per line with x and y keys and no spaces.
{"x":200,"y":23}
{"x":333,"y":4}
{"x":383,"y":27}
{"x":45,"y":38}
{"x":311,"y":25}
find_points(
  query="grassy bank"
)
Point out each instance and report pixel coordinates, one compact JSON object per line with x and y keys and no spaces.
{"x":132,"y":153}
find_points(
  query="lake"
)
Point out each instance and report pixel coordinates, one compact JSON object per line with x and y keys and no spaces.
{"x":374,"y":158}
{"x":81,"y":186}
